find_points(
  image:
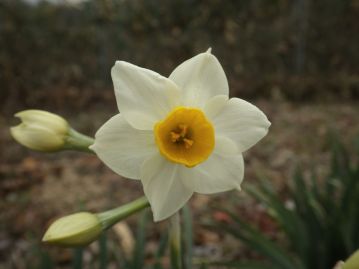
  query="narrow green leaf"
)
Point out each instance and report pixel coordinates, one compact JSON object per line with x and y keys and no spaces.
{"x":103,"y":259}
{"x":46,"y":262}
{"x":260,"y":243}
{"x":77,"y":258}
{"x":290,"y":222}
{"x":139,"y":252}
{"x":161,"y":250}
{"x":241,"y":265}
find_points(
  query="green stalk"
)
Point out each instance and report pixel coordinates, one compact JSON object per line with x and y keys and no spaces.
{"x":111,"y":217}
{"x":175,"y":241}
{"x":78,"y":141}
{"x":187,"y":237}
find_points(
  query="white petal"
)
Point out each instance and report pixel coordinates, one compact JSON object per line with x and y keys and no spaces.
{"x":163,"y":187}
{"x":123,"y":148}
{"x":225,"y":146}
{"x":217,"y":174}
{"x":214,"y":105}
{"x":143,"y":96}
{"x":200,"y":78}
{"x":242,"y":122}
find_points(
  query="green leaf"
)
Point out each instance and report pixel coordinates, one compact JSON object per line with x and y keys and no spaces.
{"x":161,"y":250}
{"x":241,"y":265}
{"x":139,"y":251}
{"x":46,"y":262}
{"x":77,"y":258}
{"x":260,"y":243}
{"x":103,"y":260}
{"x":289,"y":220}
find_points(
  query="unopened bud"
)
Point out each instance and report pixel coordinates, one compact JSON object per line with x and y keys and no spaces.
{"x":352,"y":262}
{"x":75,"y":230}
{"x":40,"y":130}
{"x":339,"y":265}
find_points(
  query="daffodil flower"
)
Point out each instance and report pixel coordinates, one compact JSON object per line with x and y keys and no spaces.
{"x":178,"y":135}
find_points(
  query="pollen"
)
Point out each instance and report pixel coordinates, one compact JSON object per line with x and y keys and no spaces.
{"x":185,"y":136}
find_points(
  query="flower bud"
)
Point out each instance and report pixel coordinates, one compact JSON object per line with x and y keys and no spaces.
{"x":40,"y":130}
{"x":339,"y":265}
{"x":75,"y":230}
{"x":352,"y":262}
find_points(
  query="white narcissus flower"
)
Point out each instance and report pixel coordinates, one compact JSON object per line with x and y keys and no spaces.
{"x":178,"y":135}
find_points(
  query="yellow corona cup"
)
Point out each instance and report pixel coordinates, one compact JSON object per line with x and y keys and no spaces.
{"x":40,"y":130}
{"x":78,"y":229}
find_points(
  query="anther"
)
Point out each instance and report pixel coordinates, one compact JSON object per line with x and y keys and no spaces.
{"x":183,"y":128}
{"x":188,"y":143}
{"x":175,"y":137}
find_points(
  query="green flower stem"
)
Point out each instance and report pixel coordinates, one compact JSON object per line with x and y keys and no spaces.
{"x":78,"y":141}
{"x":111,"y":217}
{"x":175,"y":241}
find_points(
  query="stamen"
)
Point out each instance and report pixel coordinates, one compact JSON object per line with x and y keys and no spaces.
{"x":180,"y":136}
{"x":188,"y":143}
{"x":183,"y":128}
{"x":175,"y":137}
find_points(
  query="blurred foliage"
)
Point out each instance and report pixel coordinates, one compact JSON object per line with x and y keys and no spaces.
{"x":62,"y":54}
{"x":320,"y":226}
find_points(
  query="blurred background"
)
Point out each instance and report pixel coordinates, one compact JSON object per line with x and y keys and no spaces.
{"x":297,"y":60}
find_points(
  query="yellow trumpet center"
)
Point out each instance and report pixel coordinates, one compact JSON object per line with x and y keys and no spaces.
{"x":185,"y":136}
